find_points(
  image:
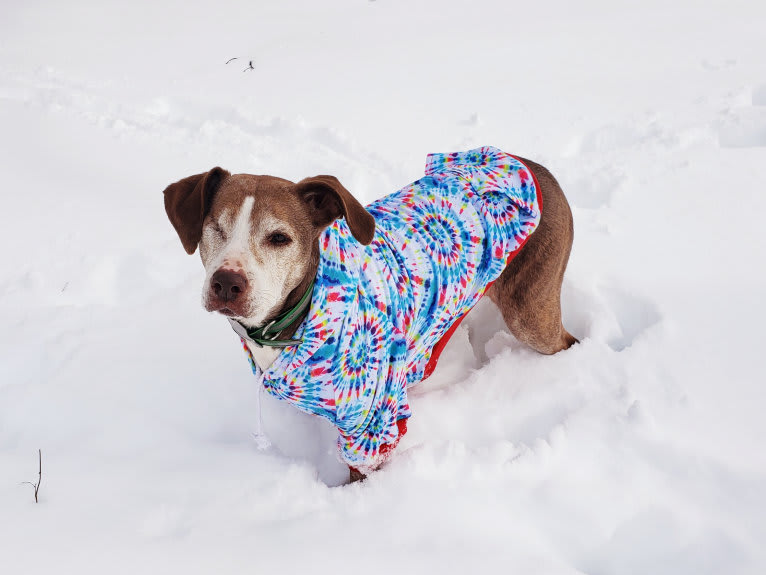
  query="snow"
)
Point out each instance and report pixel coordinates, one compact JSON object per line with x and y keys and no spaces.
{"x":637,"y":451}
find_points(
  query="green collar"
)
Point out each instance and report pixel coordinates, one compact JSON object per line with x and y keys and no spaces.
{"x":266,"y":335}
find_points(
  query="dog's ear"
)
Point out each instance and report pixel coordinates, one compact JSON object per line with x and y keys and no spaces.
{"x":187,"y":202}
{"x":328,"y":199}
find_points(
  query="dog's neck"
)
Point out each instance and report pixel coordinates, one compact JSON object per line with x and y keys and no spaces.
{"x":265,"y":356}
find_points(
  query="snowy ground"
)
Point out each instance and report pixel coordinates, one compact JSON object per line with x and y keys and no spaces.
{"x":638,"y":451}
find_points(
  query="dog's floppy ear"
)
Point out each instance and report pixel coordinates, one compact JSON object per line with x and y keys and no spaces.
{"x":187,"y":202}
{"x":328,"y":200}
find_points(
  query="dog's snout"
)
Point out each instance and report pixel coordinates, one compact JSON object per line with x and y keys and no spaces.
{"x":227,"y":285}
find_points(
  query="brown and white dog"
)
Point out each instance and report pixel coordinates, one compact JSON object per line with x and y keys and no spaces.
{"x":258,"y":240}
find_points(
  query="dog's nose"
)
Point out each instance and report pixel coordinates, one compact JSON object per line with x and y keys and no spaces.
{"x":227,"y":285}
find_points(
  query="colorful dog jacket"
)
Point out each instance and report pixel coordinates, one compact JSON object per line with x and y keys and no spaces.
{"x":377,"y":312}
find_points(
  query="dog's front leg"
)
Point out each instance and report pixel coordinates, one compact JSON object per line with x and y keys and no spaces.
{"x":355,"y":475}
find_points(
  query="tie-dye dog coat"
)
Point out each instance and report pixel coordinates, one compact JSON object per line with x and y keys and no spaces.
{"x":379,"y":312}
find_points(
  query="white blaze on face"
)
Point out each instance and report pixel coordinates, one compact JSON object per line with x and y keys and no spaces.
{"x":241,"y":243}
{"x":225,"y":244}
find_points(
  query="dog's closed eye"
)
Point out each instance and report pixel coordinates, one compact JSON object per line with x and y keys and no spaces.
{"x":219,"y":230}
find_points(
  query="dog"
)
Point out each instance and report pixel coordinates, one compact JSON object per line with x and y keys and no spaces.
{"x":341,"y":308}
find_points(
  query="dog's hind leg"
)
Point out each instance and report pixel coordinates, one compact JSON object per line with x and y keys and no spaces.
{"x":528,"y":292}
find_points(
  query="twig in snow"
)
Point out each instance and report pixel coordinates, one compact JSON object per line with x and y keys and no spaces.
{"x":39,"y":475}
{"x":249,"y":66}
{"x":230,"y":60}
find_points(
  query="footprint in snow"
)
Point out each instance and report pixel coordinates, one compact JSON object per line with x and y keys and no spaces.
{"x":609,"y":314}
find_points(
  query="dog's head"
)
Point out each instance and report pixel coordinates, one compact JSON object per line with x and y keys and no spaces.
{"x":258,"y":235}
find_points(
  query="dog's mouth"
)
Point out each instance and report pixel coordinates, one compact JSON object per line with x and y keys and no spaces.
{"x":223,"y":310}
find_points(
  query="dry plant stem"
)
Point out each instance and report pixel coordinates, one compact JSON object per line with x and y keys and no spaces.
{"x":39,"y":472}
{"x":39,"y":475}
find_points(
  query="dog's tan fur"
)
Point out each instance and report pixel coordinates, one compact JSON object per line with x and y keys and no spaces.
{"x":528,"y":292}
